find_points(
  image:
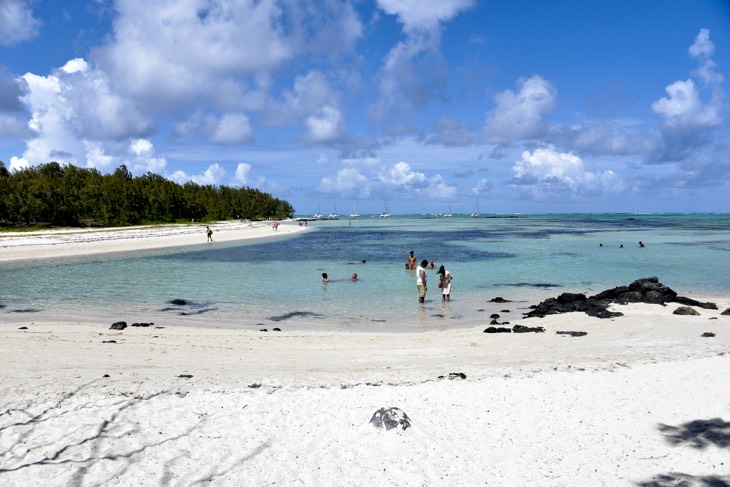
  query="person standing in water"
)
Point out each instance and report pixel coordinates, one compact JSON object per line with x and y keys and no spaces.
{"x":445,"y":284}
{"x":411,"y":260}
{"x":421,"y":281}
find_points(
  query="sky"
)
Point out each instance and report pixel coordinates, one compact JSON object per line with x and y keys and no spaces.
{"x":511,"y":106}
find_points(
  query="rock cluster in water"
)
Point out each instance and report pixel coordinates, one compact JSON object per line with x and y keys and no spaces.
{"x":647,"y":290}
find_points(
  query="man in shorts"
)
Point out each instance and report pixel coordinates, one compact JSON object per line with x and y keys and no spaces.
{"x":421,"y":281}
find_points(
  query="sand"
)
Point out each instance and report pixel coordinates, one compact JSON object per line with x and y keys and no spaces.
{"x":642,"y":399}
{"x":46,"y":244}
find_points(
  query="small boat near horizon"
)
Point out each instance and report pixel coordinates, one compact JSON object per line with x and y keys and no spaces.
{"x":449,"y":214}
{"x":475,"y":213}
{"x":334,"y":215}
{"x":354,"y":213}
{"x":386,"y":211}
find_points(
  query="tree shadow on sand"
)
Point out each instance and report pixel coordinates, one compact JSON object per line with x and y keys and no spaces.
{"x":30,"y":442}
{"x":699,"y":434}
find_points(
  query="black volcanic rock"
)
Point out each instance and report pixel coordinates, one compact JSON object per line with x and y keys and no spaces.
{"x":646,"y":290}
{"x":119,"y":325}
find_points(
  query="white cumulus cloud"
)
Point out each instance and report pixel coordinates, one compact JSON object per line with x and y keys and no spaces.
{"x":547,"y":171}
{"x":424,"y":14}
{"x":519,"y":115}
{"x":683,"y":106}
{"x":327,"y":125}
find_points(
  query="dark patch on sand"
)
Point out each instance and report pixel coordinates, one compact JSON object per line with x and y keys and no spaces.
{"x":296,"y":314}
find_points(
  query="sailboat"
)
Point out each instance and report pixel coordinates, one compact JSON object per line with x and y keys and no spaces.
{"x":386,"y":211}
{"x":476,"y":213}
{"x":354,"y":213}
{"x":449,"y":214}
{"x":318,"y":215}
{"x":334,"y":215}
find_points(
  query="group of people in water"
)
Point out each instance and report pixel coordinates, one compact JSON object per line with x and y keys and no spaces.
{"x":445,"y":278}
{"x":444,"y":284}
{"x":326,"y":278}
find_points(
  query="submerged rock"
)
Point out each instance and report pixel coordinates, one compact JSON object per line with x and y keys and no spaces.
{"x":390,"y":418}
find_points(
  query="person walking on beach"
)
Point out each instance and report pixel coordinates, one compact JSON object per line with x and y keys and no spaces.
{"x":210,"y":234}
{"x":445,"y":284}
{"x":421,"y":281}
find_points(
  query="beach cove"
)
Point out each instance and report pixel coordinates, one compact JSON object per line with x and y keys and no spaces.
{"x":640,"y":399}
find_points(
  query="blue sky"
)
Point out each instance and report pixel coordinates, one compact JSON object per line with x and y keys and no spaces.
{"x":521,"y":106}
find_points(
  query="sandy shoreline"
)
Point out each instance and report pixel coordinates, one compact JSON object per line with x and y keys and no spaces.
{"x":641,"y":399}
{"x":75,"y":242}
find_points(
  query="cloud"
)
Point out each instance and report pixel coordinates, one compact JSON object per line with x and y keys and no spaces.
{"x":10,"y":92}
{"x":520,"y":115}
{"x":450,"y":132}
{"x":18,"y":164}
{"x":72,"y":107}
{"x":214,"y":175}
{"x":424,"y":14}
{"x":17,"y":23}
{"x":243,"y":174}
{"x":385,"y":182}
{"x":141,"y":158}
{"x":547,"y":171}
{"x":347,"y":183}
{"x":481,"y":187}
{"x":683,"y":107}
{"x":688,"y":120}
{"x":414,"y":71}
{"x":177,"y":54}
{"x":327,"y":125}
{"x":230,"y":128}
{"x":15,"y":126}
{"x":702,"y":50}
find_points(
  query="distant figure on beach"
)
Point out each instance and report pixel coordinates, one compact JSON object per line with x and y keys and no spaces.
{"x":411,"y":261}
{"x":432,"y":265}
{"x":421,"y":281}
{"x":354,"y":276}
{"x":445,"y":284}
{"x":641,"y":244}
{"x":210,"y":233}
{"x":325,"y":278}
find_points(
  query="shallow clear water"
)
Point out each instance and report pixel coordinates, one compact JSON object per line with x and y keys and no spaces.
{"x":272,"y":283}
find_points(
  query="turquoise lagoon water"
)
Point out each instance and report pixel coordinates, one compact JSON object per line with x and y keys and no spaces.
{"x":276,"y":282}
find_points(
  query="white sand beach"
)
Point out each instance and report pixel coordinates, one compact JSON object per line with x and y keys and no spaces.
{"x":45,"y":244}
{"x":641,"y":399}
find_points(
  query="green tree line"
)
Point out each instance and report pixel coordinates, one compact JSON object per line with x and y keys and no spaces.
{"x":66,"y":195}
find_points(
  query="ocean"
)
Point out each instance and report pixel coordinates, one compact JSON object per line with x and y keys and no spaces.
{"x":271,"y":283}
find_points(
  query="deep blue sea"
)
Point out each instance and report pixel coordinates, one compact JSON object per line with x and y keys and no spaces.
{"x":277,"y":282}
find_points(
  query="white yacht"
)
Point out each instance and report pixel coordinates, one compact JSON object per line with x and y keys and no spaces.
{"x":354,"y":213}
{"x":386,"y":212}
